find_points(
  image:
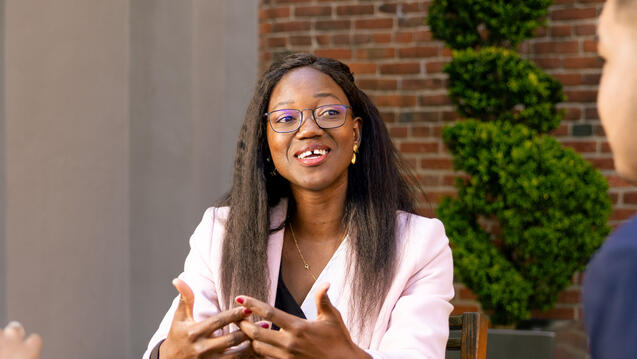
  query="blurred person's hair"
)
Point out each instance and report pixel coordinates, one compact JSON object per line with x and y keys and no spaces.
{"x":379,"y":184}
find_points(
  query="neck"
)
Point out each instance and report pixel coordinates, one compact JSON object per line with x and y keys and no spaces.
{"x":318,"y":215}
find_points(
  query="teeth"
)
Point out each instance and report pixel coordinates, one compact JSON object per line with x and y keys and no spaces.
{"x":315,"y":152}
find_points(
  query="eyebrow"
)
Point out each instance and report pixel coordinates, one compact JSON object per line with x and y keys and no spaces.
{"x":317,"y":95}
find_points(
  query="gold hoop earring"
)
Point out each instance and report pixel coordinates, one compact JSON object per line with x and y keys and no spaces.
{"x":354,"y":155}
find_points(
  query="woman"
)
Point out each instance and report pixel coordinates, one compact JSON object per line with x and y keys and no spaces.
{"x":320,"y":195}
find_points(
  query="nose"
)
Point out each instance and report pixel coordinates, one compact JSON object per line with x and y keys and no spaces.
{"x":309,"y":127}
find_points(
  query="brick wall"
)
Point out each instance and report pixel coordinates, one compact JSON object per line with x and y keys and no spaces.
{"x":397,"y":63}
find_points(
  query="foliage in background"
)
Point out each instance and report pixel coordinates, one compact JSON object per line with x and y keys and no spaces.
{"x":530,"y":212}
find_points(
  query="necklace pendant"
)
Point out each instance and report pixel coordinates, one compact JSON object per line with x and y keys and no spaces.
{"x":307,"y":266}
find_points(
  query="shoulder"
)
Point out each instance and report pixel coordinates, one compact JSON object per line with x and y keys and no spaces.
{"x":619,"y":250}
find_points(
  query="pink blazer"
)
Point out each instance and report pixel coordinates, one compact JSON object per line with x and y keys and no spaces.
{"x":413,"y":319}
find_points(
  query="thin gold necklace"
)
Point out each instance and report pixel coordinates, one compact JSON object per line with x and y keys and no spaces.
{"x":296,"y":243}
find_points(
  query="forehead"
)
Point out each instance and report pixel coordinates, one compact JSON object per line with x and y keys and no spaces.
{"x":304,"y":84}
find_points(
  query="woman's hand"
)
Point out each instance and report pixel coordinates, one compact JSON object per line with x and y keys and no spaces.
{"x":325,"y":337}
{"x":189,"y":339}
{"x":13,"y":345}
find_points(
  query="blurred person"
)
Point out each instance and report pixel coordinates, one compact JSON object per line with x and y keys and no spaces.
{"x":610,"y":282}
{"x":321,"y":203}
{"x":14,"y":346}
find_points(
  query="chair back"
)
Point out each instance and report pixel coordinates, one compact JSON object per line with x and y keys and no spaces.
{"x":468,"y":334}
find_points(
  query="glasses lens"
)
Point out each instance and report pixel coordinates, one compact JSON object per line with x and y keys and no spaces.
{"x":284,"y":120}
{"x":330,"y":116}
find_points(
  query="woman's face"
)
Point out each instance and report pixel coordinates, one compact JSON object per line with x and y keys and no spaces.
{"x":330,"y":149}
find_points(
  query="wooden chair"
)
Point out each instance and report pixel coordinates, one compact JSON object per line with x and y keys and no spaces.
{"x":468,"y":334}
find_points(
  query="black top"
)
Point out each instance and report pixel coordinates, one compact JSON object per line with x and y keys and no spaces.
{"x":284,"y":301}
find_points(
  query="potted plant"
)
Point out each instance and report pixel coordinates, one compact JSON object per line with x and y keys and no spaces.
{"x":529,"y":212}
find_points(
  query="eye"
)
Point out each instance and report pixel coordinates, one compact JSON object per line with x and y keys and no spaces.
{"x":329,"y":112}
{"x":285,"y":119}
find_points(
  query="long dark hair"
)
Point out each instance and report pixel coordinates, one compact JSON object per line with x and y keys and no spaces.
{"x":379,"y":184}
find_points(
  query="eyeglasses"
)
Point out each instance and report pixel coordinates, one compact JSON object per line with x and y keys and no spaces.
{"x":290,"y":120}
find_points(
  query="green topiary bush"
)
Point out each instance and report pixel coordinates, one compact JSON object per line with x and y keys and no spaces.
{"x":530,"y":212}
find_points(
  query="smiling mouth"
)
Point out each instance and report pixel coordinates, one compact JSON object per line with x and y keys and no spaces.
{"x":312,"y":154}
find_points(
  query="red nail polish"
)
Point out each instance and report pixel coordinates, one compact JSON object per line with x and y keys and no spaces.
{"x":265,"y":325}
{"x":247,"y":311}
{"x":240,"y":300}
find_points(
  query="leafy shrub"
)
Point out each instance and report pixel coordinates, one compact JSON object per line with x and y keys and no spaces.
{"x":495,"y":83}
{"x":471,"y":23}
{"x":530,"y":212}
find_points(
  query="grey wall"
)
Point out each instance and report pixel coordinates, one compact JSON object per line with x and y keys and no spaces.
{"x":118,"y":123}
{"x":3,"y":268}
{"x":193,"y":70}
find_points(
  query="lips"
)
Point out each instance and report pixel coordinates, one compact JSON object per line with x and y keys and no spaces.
{"x":312,"y":155}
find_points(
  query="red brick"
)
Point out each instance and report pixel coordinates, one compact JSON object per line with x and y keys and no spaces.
{"x":422,"y":36}
{"x":589,"y":46}
{"x":436,"y":197}
{"x":581,"y":95}
{"x":605,"y":147}
{"x":569,"y":79}
{"x":548,"y":62}
{"x":436,"y":163}
{"x":590,"y":62}
{"x":322,"y":39}
{"x":341,"y":39}
{"x":398,"y":132}
{"x":591,"y":79}
{"x":614,"y":198}
{"x":616,"y":181}
{"x":419,"y":147}
{"x":396,"y":100}
{"x":381,"y":38}
{"x":429,"y":181}
{"x":447,"y":52}
{"x":582,"y":146}
{"x":265,"y":28}
{"x":561,"y":31}
{"x":421,"y":131}
{"x":586,"y":29}
{"x":291,"y":26}
{"x":418,"y":6}
{"x":334,"y":53}
{"x":274,"y":13}
{"x":388,"y":8}
{"x":404,"y":36}
{"x":591,"y":114}
{"x":569,"y":296}
{"x":621,"y":214}
{"x":420,"y":116}
{"x":434,"y":100}
{"x":277,"y":42}
{"x":301,"y":40}
{"x":388,"y":116}
{"x":362,"y":39}
{"x":630,"y":198}
{"x":574,"y":14}
{"x":541,"y":32}
{"x":376,"y":53}
{"x":355,"y":10}
{"x":422,"y":84}
{"x":433,"y":67}
{"x":419,"y":51}
{"x":374,"y":23}
{"x":400,"y":68}
{"x":561,"y":47}
{"x":411,"y":21}
{"x":377,"y":84}
{"x":602,"y":163}
{"x":562,"y":130}
{"x":332,"y":25}
{"x":450,"y":116}
{"x":362,"y":67}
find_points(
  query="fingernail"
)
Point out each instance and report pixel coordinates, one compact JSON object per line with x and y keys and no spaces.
{"x":265,"y":325}
{"x":14,"y":324}
{"x":240,"y":300}
{"x":247,"y":311}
